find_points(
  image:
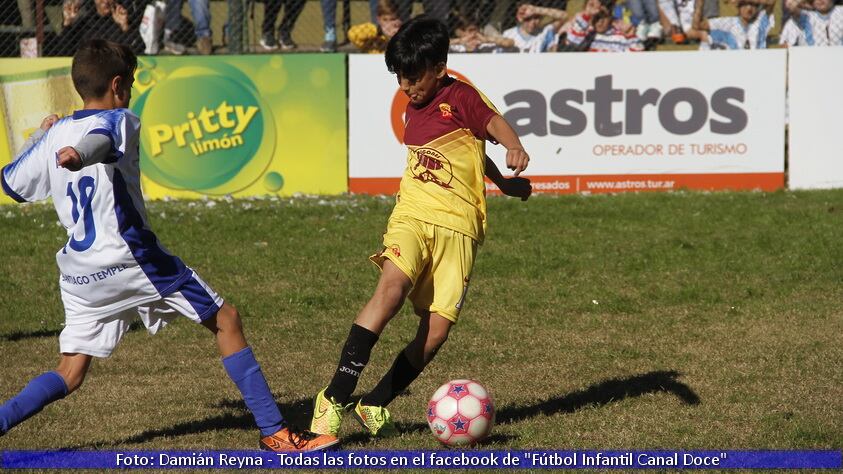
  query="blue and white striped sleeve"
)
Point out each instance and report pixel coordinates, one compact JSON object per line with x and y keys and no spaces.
{"x":27,"y":178}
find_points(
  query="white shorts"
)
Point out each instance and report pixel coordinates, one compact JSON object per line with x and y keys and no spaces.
{"x":194,"y":299}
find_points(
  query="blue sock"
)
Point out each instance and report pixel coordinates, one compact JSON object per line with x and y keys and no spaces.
{"x":246,"y":374}
{"x":40,"y":392}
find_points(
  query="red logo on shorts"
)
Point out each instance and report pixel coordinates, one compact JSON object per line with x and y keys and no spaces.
{"x":396,"y":250}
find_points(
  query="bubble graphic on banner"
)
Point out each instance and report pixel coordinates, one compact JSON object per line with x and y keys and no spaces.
{"x":206,"y":128}
{"x":144,"y":77}
{"x":319,"y":77}
{"x":273,"y":181}
{"x":273,"y":76}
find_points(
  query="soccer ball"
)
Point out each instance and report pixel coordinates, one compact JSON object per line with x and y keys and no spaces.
{"x":460,"y":413}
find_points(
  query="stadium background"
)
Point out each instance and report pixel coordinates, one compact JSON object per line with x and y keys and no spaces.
{"x":693,"y":320}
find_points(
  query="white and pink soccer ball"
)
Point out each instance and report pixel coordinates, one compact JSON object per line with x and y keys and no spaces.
{"x":461,"y":413}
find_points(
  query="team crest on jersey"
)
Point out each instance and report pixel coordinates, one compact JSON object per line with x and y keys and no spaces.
{"x":432,"y":167}
{"x":445,"y":109}
{"x":396,"y":250}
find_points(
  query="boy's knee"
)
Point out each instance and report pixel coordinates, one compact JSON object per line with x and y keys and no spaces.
{"x":393,"y":289}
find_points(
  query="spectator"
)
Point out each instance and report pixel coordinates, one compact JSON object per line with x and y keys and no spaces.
{"x":292,"y":10}
{"x":679,"y":16}
{"x":509,"y":13}
{"x":528,"y":35}
{"x":329,"y":25}
{"x":468,"y":38}
{"x":109,"y":20}
{"x":646,"y":12}
{"x":596,"y":29}
{"x":373,"y":37}
{"x":434,"y":8}
{"x":747,"y":30}
{"x":818,"y":23}
{"x":27,"y":14}
{"x":438,"y":9}
{"x":201,"y":12}
{"x":73,"y":27}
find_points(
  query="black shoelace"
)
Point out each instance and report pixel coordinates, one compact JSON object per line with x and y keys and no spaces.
{"x":300,"y":438}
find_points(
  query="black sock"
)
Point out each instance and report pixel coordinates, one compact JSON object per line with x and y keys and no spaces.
{"x":400,"y":376}
{"x":353,"y":359}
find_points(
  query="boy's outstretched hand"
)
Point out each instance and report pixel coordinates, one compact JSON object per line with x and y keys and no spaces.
{"x":49,"y":121}
{"x":69,"y":158}
{"x":517,"y":160}
{"x":516,"y":187}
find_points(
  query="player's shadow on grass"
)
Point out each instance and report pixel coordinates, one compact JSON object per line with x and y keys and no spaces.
{"x":236,"y":417}
{"x":22,"y":335}
{"x":603,"y":393}
{"x":298,"y":412}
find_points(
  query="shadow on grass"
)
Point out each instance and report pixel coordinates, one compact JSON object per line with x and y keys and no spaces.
{"x":237,"y":418}
{"x":298,"y":412}
{"x":20,"y":335}
{"x":603,"y":393}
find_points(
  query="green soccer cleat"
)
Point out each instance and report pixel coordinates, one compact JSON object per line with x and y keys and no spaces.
{"x":327,"y":415}
{"x":376,"y":420}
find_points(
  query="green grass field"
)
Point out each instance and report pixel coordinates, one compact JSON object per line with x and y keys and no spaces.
{"x":681,"y":320}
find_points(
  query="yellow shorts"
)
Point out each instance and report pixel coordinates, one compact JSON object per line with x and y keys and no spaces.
{"x":437,"y":260}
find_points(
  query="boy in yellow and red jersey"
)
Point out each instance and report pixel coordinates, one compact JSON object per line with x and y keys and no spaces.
{"x":434,"y":230}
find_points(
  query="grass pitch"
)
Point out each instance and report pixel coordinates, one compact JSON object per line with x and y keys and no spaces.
{"x":680,"y":320}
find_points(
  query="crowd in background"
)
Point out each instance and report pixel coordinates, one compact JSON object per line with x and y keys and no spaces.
{"x":543,"y":26}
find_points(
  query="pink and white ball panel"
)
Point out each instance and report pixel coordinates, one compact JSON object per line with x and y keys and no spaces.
{"x":460,"y":413}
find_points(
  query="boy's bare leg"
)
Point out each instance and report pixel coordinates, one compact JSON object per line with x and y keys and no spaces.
{"x":244,"y":370}
{"x":432,"y":333}
{"x":44,"y":389}
{"x":72,"y":368}
{"x":228,"y":329}
{"x":389,"y":296}
{"x":393,"y":287}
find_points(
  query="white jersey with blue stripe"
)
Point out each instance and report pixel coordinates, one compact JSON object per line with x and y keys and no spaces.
{"x":527,"y":43}
{"x":729,"y":32}
{"x":111,"y":261}
{"x":812,"y":28}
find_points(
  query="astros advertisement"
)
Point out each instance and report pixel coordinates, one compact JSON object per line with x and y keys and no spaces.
{"x":227,"y":125}
{"x":600,"y":122}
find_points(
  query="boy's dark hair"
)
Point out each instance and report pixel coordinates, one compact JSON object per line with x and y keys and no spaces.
{"x":96,"y":63}
{"x":420,"y":44}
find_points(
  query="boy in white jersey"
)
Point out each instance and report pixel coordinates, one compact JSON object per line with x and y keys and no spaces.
{"x":747,"y":30}
{"x":816,"y":23}
{"x":112,"y":267}
{"x":529,"y":36}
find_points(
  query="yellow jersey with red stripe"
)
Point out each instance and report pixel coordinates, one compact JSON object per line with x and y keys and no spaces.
{"x":446,"y":160}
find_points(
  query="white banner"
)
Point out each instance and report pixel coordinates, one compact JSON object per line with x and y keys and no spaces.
{"x":816,"y":104}
{"x":600,"y":122}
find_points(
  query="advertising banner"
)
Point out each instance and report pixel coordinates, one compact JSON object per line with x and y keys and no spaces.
{"x":600,"y":122}
{"x":815,"y":143}
{"x":224,"y":125}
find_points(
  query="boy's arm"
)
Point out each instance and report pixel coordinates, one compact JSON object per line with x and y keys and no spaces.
{"x":113,"y":135}
{"x":516,"y":187}
{"x":92,"y":149}
{"x":516,"y":158}
{"x":699,"y":25}
{"x":767,"y":5}
{"x":37,"y":134}
{"x":558,"y":16}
